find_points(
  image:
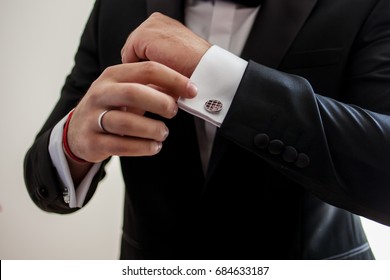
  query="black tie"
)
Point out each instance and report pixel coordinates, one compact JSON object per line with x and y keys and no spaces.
{"x":248,"y":3}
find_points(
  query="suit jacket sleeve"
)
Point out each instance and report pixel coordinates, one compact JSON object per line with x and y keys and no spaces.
{"x":339,"y":149}
{"x":41,"y":178}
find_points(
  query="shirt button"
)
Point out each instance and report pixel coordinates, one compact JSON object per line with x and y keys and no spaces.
{"x":42,"y":192}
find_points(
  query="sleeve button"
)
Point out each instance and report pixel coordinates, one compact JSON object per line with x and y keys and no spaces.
{"x":302,"y":161}
{"x":276,"y":147}
{"x":290,"y":154}
{"x":261,"y":140}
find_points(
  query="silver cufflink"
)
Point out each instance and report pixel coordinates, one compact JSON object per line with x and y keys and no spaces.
{"x":213,"y":106}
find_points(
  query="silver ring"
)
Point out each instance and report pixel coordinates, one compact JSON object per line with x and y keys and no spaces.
{"x":100,"y":119}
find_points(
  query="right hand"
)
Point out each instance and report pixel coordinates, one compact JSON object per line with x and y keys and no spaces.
{"x":128,"y":91}
{"x":165,"y":40}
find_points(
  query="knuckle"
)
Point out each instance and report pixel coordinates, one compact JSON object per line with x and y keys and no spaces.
{"x":156,"y":15}
{"x":168,"y":106}
{"x":179,"y":80}
{"x":150,"y":67}
{"x":97,"y":91}
{"x":109,"y":71}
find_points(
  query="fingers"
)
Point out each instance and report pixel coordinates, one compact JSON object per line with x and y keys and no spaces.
{"x":130,"y":146}
{"x":140,"y":98}
{"x":128,"y":124}
{"x":128,"y":134}
{"x":110,"y":144}
{"x":146,"y":86}
{"x":127,"y":91}
{"x":125,"y":134}
{"x":128,"y":54}
{"x":153,"y":73}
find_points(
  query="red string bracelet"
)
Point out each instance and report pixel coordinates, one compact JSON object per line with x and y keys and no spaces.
{"x":65,"y":141}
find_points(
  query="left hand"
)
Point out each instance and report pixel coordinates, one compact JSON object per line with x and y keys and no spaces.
{"x":167,"y":41}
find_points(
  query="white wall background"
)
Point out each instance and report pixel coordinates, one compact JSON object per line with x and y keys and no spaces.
{"x":38,"y":41}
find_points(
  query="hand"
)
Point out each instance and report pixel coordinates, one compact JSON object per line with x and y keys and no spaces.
{"x":166,"y":41}
{"x":127,"y":91}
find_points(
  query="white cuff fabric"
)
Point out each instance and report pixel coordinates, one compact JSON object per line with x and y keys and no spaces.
{"x":56,"y":151}
{"x":217,"y":76}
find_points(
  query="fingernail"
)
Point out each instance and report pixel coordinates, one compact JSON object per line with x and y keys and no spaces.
{"x":192,"y":89}
{"x":165,"y":133}
{"x":175,"y":110}
{"x":158,"y":147}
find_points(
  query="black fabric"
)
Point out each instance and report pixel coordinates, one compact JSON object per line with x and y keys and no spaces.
{"x":248,"y":3}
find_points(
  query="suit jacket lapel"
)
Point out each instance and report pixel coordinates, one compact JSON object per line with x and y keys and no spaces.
{"x":275,"y":28}
{"x":273,"y":31}
{"x":171,"y":8}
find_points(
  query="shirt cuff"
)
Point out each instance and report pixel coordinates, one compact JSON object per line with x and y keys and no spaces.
{"x":56,"y":151}
{"x":217,"y":76}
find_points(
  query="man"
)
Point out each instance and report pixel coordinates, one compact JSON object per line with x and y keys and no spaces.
{"x":256,"y":132}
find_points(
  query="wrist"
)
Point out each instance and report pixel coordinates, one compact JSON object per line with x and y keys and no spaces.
{"x":68,"y":152}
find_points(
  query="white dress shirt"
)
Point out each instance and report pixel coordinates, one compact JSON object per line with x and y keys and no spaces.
{"x":226,"y":26}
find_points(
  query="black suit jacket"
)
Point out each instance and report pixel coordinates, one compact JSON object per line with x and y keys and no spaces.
{"x":303,"y":150}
